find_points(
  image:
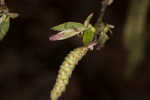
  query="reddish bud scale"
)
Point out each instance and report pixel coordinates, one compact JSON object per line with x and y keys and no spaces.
{"x":56,"y":37}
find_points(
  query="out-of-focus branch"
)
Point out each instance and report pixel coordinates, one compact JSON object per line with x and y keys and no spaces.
{"x":134,"y":34}
{"x":2,"y":2}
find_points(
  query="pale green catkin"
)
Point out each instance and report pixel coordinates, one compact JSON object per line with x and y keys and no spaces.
{"x":65,"y":71}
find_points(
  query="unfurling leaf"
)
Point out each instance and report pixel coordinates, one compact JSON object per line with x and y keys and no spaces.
{"x":87,"y":21}
{"x":103,"y":38}
{"x":4,"y":25}
{"x":108,"y":28}
{"x":64,"y":35}
{"x":69,"y":25}
{"x":88,"y":36}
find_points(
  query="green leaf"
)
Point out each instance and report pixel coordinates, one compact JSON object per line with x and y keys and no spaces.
{"x":4,"y":25}
{"x":88,"y":36}
{"x":64,"y":35}
{"x":69,"y":25}
{"x":103,"y":38}
{"x":87,"y":21}
{"x":108,"y":28}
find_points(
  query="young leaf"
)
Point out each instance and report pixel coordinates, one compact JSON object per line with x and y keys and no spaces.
{"x":87,"y":21}
{"x":4,"y":25}
{"x":64,"y":35}
{"x":68,"y":25}
{"x":103,"y":38}
{"x":88,"y":36}
{"x":108,"y":28}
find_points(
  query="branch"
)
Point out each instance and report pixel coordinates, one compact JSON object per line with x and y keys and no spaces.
{"x":2,"y":2}
{"x":134,"y":34}
{"x":105,"y":4}
{"x":101,"y":28}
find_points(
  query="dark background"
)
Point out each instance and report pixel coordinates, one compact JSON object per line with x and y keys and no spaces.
{"x":29,"y":61}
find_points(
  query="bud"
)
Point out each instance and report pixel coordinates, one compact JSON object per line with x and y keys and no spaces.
{"x":4,"y":25}
{"x":87,"y":21}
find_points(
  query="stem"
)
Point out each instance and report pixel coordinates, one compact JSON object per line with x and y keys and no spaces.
{"x":100,"y":26}
{"x":105,"y":4}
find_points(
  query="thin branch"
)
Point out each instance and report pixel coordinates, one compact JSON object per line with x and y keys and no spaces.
{"x":100,"y":26}
{"x":105,"y":4}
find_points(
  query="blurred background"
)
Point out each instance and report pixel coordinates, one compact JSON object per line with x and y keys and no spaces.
{"x":29,"y":61}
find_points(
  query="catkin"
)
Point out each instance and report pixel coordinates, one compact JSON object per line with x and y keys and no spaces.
{"x":65,"y":71}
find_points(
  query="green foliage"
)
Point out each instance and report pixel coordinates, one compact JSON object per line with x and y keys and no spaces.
{"x":68,"y":30}
{"x":4,"y":25}
{"x":5,"y":16}
{"x":90,"y":39}
{"x":87,"y":21}
{"x":86,"y":31}
{"x":68,"y":26}
{"x":103,"y":35}
{"x":88,"y":36}
{"x":103,"y":38}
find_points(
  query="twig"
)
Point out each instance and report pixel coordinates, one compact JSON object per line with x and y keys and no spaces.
{"x":105,"y":4}
{"x":99,"y":25}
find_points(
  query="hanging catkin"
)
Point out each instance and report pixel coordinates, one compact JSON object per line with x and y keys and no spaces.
{"x":65,"y":71}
